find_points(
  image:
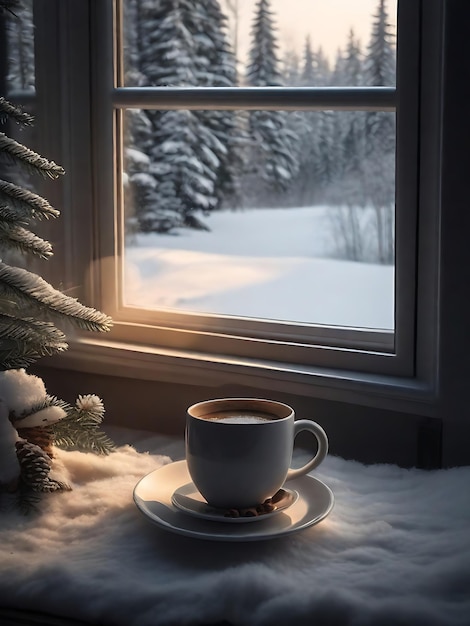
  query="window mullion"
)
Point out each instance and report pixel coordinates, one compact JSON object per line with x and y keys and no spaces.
{"x":254,"y":98}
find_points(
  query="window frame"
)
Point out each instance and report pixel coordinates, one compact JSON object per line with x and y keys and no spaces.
{"x":277,"y":341}
{"x":405,"y":381}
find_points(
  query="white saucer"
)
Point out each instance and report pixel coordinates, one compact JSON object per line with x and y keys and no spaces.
{"x":153,"y":493}
{"x":187,"y":499}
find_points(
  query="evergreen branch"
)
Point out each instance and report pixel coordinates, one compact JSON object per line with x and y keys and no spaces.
{"x":7,"y":109}
{"x":13,"y":359}
{"x":7,"y":216}
{"x":48,"y":402}
{"x":14,"y":355}
{"x":27,"y":203}
{"x":29,"y":329}
{"x":90,"y":410}
{"x":32,"y":290}
{"x":40,"y":406}
{"x":19,"y":238}
{"x":80,"y":429}
{"x":24,"y":341}
{"x":28,"y":158}
{"x":70,"y":436}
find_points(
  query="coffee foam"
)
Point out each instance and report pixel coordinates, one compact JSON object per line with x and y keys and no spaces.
{"x":239,"y":417}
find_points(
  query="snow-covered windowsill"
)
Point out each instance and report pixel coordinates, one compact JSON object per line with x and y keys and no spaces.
{"x":395,"y":549}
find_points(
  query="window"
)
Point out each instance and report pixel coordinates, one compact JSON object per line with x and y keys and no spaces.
{"x":387,"y":345}
{"x":391,"y":361}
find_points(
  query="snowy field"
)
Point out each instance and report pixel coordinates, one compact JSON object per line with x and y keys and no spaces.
{"x":265,"y":263}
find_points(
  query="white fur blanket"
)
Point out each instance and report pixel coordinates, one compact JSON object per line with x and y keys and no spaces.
{"x":394,"y":551}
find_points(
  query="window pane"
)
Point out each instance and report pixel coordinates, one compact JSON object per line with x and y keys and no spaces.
{"x":247,"y":42}
{"x":17,"y":79}
{"x":20,"y":47}
{"x":275,"y":215}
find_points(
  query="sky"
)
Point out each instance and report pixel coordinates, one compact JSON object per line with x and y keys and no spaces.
{"x":326,"y":21}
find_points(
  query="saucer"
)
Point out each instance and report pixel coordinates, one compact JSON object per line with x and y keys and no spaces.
{"x":153,"y":493}
{"x":188,"y":499}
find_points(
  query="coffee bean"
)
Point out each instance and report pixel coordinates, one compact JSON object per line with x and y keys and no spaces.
{"x":277,"y":496}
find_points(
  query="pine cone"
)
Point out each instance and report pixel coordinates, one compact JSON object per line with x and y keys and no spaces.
{"x":40,"y":436}
{"x":35,"y":467}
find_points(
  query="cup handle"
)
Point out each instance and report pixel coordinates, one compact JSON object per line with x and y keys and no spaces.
{"x":322,"y":451}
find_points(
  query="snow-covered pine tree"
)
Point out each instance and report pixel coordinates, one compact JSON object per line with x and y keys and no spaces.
{"x":139,"y":184}
{"x":353,"y":121}
{"x":322,"y":68}
{"x":184,"y":44}
{"x":379,"y":163}
{"x":307,"y":184}
{"x":20,"y":38}
{"x":291,"y":68}
{"x":308,"y":69}
{"x":217,"y":68}
{"x":353,"y":63}
{"x":185,"y":151}
{"x":324,"y":163}
{"x":33,"y":316}
{"x":352,"y":236}
{"x":274,"y":144}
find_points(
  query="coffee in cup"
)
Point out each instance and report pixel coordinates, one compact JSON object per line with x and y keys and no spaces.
{"x":239,"y":450}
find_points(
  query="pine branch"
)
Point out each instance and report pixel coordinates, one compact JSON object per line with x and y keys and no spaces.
{"x":71,"y":436}
{"x":80,"y":429}
{"x":33,"y":291}
{"x":7,"y":216}
{"x":49,"y":401}
{"x":7,"y":109}
{"x":24,"y":341}
{"x":28,"y":158}
{"x":27,"y":203}
{"x":30,"y":329}
{"x":18,"y":238}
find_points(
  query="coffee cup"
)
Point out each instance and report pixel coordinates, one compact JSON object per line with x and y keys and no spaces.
{"x":239,"y":450}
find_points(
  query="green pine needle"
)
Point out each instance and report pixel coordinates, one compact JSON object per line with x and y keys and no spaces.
{"x":24,"y":341}
{"x":8,"y":109}
{"x":19,"y":238}
{"x":69,"y":434}
{"x":29,"y":329}
{"x":9,"y":216}
{"x":33,"y":162}
{"x":33,"y":291}
{"x":26,"y":203}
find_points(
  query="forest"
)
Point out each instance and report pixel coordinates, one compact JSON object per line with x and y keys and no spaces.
{"x":182,"y":165}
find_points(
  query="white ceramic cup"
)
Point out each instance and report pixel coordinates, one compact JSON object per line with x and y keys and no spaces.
{"x":239,"y":450}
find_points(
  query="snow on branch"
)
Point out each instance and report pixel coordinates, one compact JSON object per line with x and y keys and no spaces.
{"x":27,"y":203}
{"x":7,"y":109}
{"x":34,"y":291}
{"x":28,"y":158}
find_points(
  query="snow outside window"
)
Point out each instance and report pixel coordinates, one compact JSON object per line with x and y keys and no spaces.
{"x":256,"y":176}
